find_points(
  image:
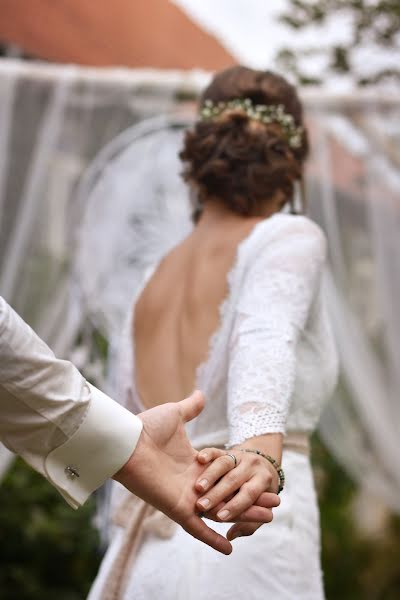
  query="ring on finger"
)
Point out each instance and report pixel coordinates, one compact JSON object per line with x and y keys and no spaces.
{"x":233,"y":457}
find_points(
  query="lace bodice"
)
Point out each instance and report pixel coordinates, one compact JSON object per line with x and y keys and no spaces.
{"x":272,"y":362}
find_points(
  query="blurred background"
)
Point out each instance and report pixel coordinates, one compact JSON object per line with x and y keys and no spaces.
{"x":92,"y":89}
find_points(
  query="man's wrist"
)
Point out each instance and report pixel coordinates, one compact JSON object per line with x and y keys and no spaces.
{"x":103,"y":443}
{"x":124,"y":474}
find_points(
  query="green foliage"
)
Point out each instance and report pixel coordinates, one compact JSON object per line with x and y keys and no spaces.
{"x":47,"y":549}
{"x":355,"y":566}
{"x":373,"y":22}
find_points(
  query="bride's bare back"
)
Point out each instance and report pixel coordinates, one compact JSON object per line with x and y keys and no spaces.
{"x":178,"y":310}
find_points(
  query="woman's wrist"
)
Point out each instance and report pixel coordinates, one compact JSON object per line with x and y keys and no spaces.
{"x":270,"y":443}
{"x":269,"y":448}
{"x":273,"y":462}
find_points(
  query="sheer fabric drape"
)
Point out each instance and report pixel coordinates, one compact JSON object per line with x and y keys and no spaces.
{"x":355,"y":195}
{"x":54,"y":263}
{"x":53,"y":121}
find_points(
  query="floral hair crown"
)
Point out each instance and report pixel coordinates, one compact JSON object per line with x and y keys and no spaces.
{"x":264,"y":113}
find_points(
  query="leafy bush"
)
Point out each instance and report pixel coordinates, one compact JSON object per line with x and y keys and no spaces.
{"x":355,"y":566}
{"x":47,"y":549}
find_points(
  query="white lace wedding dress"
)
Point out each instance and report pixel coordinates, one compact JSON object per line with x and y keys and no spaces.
{"x":271,"y":367}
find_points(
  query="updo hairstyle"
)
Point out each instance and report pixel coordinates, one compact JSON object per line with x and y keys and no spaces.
{"x":236,"y":160}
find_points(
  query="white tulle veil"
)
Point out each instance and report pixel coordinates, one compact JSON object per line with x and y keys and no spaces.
{"x":137,"y":208}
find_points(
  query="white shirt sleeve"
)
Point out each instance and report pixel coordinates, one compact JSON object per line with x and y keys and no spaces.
{"x":65,"y":428}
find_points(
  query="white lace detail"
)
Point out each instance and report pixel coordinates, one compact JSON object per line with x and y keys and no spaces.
{"x":271,"y":362}
{"x":222,"y":314}
{"x":271,"y":313}
{"x":271,"y":366}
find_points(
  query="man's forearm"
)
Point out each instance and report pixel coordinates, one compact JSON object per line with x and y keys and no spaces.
{"x":68,"y":430}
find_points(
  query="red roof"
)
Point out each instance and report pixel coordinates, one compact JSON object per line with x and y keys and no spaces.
{"x":146,"y":33}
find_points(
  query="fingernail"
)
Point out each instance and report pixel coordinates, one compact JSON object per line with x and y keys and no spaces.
{"x":204,"y":502}
{"x":203,"y":483}
{"x":223,"y":514}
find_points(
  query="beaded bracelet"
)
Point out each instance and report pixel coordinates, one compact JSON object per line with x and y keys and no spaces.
{"x":273,"y":462}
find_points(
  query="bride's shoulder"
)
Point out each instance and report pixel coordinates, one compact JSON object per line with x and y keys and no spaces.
{"x":294,"y":224}
{"x":293,"y":236}
{"x":283,"y":228}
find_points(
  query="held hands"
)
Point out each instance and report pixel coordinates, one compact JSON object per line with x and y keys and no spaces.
{"x":243,"y":484}
{"x":164,"y":468}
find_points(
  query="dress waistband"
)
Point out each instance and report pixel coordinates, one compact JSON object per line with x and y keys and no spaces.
{"x":297,"y":441}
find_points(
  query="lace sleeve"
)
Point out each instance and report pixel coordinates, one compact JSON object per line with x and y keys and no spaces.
{"x":271,"y":312}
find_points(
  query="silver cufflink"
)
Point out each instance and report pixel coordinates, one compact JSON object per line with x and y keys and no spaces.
{"x":71,"y":472}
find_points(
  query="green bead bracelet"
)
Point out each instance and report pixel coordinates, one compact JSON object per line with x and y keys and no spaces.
{"x":273,"y":462}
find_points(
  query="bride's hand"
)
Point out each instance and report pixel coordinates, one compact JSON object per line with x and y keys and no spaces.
{"x":246,"y":484}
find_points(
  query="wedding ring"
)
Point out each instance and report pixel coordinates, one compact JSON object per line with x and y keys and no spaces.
{"x":233,"y":457}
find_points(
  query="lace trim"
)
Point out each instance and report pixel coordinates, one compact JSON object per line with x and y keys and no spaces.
{"x":223,"y":312}
{"x":251,"y":419}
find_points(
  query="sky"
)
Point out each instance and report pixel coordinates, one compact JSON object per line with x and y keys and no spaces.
{"x":251,"y":28}
{"x":248,"y":28}
{"x":251,"y":31}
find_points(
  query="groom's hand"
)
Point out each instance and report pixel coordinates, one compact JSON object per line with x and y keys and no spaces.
{"x":163,"y":468}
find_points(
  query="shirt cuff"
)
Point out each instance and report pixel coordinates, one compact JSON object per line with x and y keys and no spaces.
{"x":99,"y":448}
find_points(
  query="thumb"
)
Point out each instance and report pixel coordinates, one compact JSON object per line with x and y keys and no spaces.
{"x":191,"y":407}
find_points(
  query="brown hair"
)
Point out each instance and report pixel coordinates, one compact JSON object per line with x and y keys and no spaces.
{"x":237,"y":161}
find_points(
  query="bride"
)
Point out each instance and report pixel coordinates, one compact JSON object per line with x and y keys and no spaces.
{"x":237,"y":310}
